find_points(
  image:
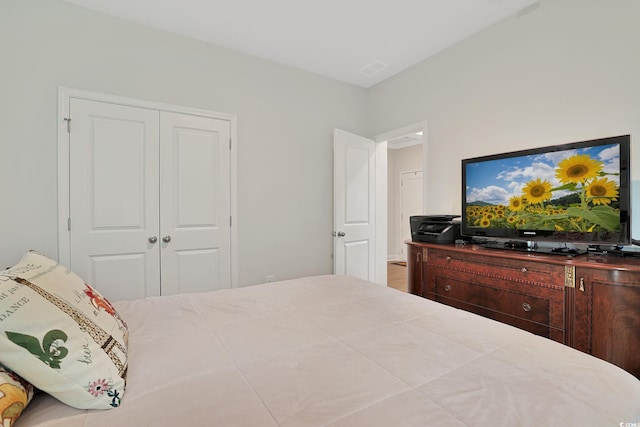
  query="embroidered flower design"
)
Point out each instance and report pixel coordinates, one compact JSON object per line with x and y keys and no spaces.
{"x":99,"y":387}
{"x":98,"y":301}
{"x":115,"y":398}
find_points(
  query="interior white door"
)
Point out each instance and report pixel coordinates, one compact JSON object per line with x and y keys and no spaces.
{"x":113,"y":155}
{"x":195,"y":203}
{"x":354,"y":205}
{"x":410,"y":204}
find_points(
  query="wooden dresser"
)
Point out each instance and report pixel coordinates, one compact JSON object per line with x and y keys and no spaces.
{"x":589,"y":302}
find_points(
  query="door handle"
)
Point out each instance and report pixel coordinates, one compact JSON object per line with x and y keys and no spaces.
{"x":166,"y":238}
{"x":152,"y":239}
{"x":339,"y":234}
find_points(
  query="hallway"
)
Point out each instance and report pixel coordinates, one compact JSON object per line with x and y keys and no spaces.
{"x":397,"y":276}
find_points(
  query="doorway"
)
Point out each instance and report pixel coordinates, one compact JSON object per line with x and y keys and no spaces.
{"x":379,"y":199}
{"x":410,"y":205}
{"x":405,"y":152}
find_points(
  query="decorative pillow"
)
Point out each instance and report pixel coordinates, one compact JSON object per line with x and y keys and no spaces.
{"x":61,"y":335}
{"x":15,"y":395}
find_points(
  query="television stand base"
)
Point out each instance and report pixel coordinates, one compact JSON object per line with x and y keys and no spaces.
{"x":614,"y":250}
{"x":529,"y":246}
{"x":520,"y":245}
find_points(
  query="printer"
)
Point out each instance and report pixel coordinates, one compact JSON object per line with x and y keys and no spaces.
{"x":435,"y":228}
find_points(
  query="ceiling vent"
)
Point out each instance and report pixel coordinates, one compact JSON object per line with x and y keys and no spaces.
{"x":374,"y":68}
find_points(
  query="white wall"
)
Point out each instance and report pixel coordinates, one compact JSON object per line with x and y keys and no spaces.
{"x":285,"y":123}
{"x":398,"y":160}
{"x":565,"y":72}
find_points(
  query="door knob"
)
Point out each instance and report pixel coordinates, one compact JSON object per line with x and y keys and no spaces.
{"x":339,"y":234}
{"x":153,"y":239}
{"x":166,"y":238}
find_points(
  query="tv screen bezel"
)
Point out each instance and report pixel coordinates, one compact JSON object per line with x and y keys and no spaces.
{"x":590,"y":238}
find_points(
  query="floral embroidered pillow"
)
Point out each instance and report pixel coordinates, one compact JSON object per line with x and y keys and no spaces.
{"x":61,"y":335}
{"x":15,"y":395}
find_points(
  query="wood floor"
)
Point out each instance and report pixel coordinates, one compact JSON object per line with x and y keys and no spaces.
{"x":397,"y":276}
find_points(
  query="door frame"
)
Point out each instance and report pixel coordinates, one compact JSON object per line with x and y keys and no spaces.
{"x":64,"y":96}
{"x":381,"y":188}
{"x":399,"y":189}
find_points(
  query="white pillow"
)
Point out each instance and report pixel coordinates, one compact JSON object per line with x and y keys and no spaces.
{"x":61,"y":335}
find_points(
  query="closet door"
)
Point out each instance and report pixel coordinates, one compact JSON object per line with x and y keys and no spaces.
{"x":194,"y":203}
{"x":114,"y":198}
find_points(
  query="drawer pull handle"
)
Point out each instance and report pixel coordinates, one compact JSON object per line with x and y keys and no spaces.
{"x":447,"y":288}
{"x":582,"y":284}
{"x":523,"y":269}
{"x":448,"y":258}
{"x":526,"y":306}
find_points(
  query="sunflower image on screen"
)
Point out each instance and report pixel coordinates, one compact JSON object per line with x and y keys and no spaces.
{"x":571,"y":190}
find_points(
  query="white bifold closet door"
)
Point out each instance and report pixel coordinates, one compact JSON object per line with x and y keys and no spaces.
{"x":194,"y":203}
{"x":149,"y":200}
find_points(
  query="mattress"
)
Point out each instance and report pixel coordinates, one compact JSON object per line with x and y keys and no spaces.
{"x":338,"y":351}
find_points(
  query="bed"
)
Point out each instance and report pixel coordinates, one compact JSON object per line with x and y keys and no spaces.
{"x":338,"y":351}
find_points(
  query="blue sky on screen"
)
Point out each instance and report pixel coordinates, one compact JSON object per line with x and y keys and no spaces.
{"x":496,"y":181}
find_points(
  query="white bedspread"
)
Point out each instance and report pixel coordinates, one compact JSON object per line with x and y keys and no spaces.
{"x":336,"y":351}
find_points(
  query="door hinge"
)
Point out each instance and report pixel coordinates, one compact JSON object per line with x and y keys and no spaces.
{"x":69,"y":224}
{"x":68,"y":120}
{"x":229,"y":144}
{"x":230,"y":221}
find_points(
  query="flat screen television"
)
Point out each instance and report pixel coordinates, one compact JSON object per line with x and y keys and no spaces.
{"x":571,"y":193}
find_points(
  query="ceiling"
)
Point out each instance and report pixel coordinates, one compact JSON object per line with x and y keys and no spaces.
{"x":361,"y":42}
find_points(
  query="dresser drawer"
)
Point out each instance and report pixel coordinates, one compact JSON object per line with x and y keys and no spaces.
{"x":533,"y":308}
{"x":546,"y":331}
{"x":520,"y":271}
